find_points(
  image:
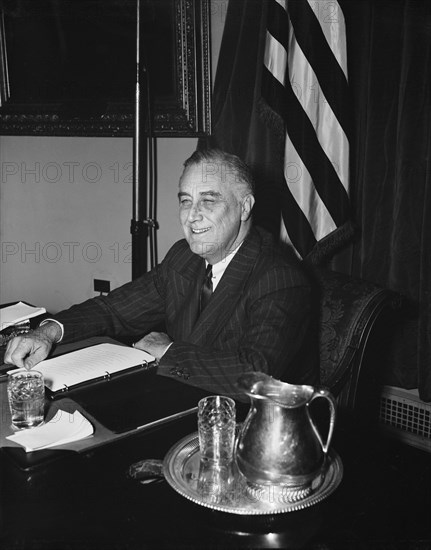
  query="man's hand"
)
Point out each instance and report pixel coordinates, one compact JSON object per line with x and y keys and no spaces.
{"x":155,"y":343}
{"x":27,"y":350}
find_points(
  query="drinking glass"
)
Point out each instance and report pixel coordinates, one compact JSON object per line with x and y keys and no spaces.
{"x":216,"y":428}
{"x":26,"y":394}
{"x":216,"y":482}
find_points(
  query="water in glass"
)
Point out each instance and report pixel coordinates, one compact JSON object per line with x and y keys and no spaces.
{"x":26,"y":393}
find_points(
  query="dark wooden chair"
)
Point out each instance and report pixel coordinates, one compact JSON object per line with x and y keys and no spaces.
{"x":355,"y":317}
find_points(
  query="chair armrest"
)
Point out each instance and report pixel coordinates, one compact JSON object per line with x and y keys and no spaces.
{"x":349,"y":308}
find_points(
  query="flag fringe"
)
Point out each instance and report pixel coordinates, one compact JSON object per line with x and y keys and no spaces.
{"x":324,"y":249}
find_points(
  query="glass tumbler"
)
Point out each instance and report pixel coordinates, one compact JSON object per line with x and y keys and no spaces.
{"x":216,"y":428}
{"x":26,"y":394}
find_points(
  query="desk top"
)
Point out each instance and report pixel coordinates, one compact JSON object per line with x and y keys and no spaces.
{"x":86,"y":500}
{"x":117,"y":409}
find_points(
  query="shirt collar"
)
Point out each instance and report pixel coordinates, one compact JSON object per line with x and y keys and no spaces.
{"x":220,"y":267}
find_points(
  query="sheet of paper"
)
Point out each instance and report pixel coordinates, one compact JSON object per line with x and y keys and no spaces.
{"x":90,"y":363}
{"x":12,"y":315}
{"x":63,"y":428}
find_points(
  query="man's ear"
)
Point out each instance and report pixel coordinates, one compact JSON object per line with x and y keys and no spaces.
{"x":247,"y":207}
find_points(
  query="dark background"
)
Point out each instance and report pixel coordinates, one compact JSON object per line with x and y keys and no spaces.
{"x":77,"y":51}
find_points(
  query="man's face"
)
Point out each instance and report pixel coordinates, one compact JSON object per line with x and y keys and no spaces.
{"x":212,"y":212}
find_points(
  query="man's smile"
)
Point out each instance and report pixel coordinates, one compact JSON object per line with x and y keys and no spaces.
{"x":198,"y":231}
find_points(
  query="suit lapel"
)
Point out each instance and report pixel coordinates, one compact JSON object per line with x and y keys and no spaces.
{"x":228,"y":292}
{"x":186,"y":296}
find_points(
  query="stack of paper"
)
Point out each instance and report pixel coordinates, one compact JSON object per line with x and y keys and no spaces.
{"x":13,"y":315}
{"x":63,"y":428}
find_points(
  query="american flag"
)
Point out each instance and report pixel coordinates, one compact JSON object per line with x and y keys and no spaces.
{"x":305,"y":93}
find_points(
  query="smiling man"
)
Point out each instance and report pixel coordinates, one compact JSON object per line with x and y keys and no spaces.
{"x":258,"y":300}
{"x":216,"y":199}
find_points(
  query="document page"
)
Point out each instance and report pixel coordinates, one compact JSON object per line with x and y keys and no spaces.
{"x":63,"y":428}
{"x":90,"y":363}
{"x":11,"y":315}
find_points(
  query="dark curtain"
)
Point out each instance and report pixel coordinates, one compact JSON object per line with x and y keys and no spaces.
{"x":238,"y":127}
{"x":389,"y":47}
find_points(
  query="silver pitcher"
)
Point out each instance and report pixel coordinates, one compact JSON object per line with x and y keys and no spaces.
{"x":279,"y":443}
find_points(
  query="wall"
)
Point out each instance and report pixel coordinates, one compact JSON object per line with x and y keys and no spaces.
{"x":66,"y":206}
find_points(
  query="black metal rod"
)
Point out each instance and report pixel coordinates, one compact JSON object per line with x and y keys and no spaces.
{"x":138,"y":227}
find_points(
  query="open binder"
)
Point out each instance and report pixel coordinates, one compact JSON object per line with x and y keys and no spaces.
{"x":118,"y":385}
{"x":101,"y":362}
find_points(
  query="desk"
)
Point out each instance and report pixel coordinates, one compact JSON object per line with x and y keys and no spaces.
{"x":84,"y":500}
{"x":114,"y":405}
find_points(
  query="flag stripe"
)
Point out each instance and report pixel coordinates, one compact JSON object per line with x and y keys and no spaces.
{"x":277,"y":22}
{"x":299,"y":180}
{"x":300,"y":183}
{"x":334,"y":28}
{"x":313,"y":43}
{"x":303,"y":136}
{"x":304,"y":85}
{"x":300,"y":234}
{"x":325,"y":178}
{"x":282,"y":3}
{"x":275,"y":58}
{"x":331,"y":136}
{"x":273,"y":90}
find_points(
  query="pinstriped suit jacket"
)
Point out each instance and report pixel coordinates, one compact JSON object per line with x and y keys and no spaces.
{"x":258,"y":318}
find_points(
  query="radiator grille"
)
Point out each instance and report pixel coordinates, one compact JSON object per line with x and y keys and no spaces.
{"x":403,"y":415}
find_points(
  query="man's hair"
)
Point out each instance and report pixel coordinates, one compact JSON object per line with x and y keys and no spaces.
{"x":224,"y":164}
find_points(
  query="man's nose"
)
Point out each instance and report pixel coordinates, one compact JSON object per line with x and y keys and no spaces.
{"x":194,"y":213}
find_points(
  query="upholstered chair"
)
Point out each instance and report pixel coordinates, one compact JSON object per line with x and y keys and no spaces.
{"x":356,"y":318}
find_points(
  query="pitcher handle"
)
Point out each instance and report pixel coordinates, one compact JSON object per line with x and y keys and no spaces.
{"x":332,"y":405}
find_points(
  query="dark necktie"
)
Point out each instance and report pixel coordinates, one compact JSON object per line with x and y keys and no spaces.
{"x":206,"y":288}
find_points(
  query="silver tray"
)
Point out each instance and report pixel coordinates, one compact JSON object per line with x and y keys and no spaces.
{"x":181,"y":469}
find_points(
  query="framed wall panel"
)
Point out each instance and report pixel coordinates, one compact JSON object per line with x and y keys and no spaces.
{"x":68,"y":67}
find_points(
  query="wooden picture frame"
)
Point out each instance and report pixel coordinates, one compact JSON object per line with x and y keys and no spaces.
{"x":68,"y":67}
